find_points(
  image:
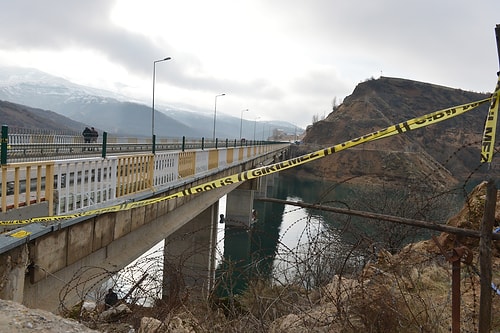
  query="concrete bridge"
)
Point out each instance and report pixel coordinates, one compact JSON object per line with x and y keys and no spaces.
{"x":61,"y":215}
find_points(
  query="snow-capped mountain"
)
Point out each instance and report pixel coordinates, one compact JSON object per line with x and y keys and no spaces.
{"x":115,"y":113}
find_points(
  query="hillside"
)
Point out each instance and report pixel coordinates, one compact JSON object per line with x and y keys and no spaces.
{"x":16,"y":115}
{"x":441,"y":154}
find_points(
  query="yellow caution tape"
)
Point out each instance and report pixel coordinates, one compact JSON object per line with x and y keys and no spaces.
{"x":490,"y":128}
{"x":402,"y":127}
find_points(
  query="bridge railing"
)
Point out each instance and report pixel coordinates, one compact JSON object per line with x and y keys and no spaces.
{"x":23,"y":145}
{"x":74,"y":185}
{"x":24,"y":184}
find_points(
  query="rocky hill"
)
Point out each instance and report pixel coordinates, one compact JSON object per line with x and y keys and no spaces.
{"x":444,"y":153}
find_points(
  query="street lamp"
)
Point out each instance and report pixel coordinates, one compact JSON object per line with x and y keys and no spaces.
{"x":241,"y":121}
{"x":153,"y":103}
{"x":215,"y":113}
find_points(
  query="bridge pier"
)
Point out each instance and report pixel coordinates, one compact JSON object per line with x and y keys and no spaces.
{"x":234,"y":272}
{"x":239,"y":205}
{"x":189,"y":257}
{"x":15,"y":271}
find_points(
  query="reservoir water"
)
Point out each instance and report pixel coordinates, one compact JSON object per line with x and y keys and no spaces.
{"x":292,"y":244}
{"x":282,"y":241}
{"x":288,"y":243}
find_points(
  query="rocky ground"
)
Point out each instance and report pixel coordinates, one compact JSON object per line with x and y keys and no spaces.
{"x":16,"y":318}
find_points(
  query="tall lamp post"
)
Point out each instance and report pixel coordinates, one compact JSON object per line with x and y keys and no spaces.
{"x":241,"y":121}
{"x":215,"y":113}
{"x":153,"y":103}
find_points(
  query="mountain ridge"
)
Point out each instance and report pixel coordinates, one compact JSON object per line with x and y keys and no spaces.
{"x":120,"y":115}
{"x":442,"y":154}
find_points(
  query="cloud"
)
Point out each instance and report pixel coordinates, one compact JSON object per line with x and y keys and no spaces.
{"x":288,"y":58}
{"x":47,"y":24}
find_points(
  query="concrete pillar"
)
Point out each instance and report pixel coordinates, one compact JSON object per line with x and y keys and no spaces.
{"x":13,"y":270}
{"x":239,"y":207}
{"x":189,"y":257}
{"x":266,"y":184}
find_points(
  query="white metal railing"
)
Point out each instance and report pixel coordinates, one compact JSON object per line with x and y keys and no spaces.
{"x":82,"y":184}
{"x":96,"y":182}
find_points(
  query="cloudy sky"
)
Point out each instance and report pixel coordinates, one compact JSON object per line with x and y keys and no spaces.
{"x":281,"y":59}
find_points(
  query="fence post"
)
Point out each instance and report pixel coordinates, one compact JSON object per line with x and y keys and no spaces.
{"x":485,"y":257}
{"x":4,"y":144}
{"x":104,"y":143}
{"x":216,"y":142}
{"x":183,"y":143}
{"x":203,"y":143}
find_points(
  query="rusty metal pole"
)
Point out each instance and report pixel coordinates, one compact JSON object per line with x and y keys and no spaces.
{"x":485,"y":257}
{"x":458,"y":255}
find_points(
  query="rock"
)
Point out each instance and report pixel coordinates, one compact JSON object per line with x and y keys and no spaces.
{"x":174,"y":325}
{"x":114,"y":313}
{"x":150,"y":325}
{"x":89,"y":306}
{"x":339,"y":293}
{"x":16,"y":318}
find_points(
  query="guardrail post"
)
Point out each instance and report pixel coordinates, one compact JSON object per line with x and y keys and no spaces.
{"x":183,"y":143}
{"x":227,"y":143}
{"x":216,"y":142}
{"x":153,"y":149}
{"x":202,"y":143}
{"x":104,"y":143}
{"x":4,"y":144}
{"x":234,"y":143}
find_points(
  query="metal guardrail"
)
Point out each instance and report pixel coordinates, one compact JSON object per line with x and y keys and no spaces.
{"x":24,"y":145}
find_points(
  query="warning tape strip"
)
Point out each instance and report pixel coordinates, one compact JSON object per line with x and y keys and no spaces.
{"x":490,"y":128}
{"x":409,"y":125}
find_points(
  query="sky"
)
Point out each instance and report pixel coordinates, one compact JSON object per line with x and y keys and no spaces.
{"x":288,"y":60}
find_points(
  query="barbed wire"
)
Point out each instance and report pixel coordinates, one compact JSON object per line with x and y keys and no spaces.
{"x":371,"y":280}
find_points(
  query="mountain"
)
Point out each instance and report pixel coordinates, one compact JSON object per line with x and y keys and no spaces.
{"x":437,"y":155}
{"x":121,"y":115}
{"x":20,"y":116}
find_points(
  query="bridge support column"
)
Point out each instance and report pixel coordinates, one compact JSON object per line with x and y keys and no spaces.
{"x":13,"y":269}
{"x":239,"y":207}
{"x":189,"y":257}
